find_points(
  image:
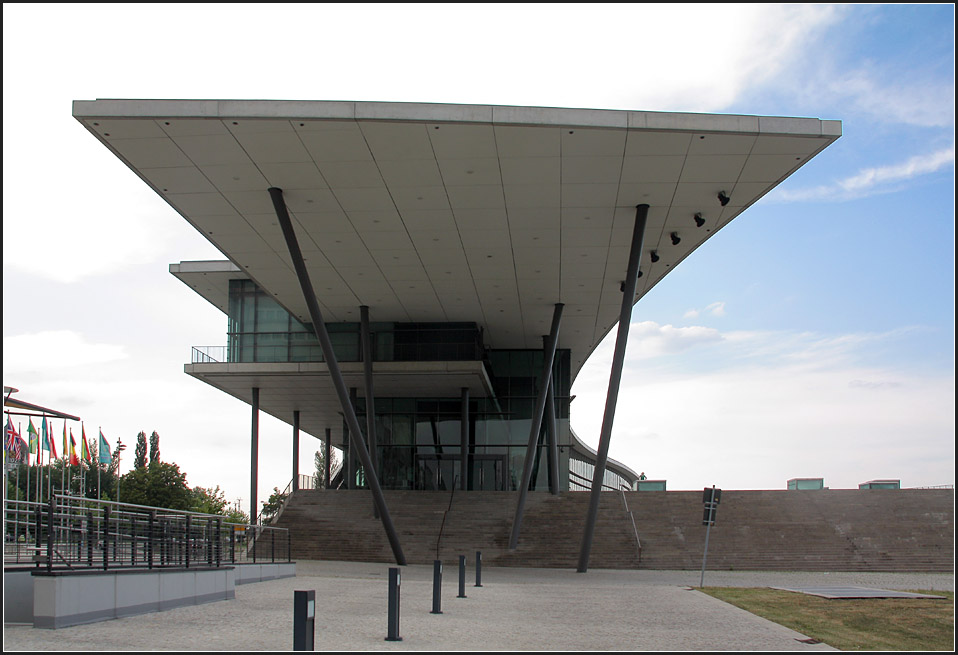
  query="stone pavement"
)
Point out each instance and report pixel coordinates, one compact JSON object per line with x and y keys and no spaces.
{"x":515,"y":609}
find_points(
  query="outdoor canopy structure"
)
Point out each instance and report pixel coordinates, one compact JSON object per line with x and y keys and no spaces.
{"x":457,"y":262}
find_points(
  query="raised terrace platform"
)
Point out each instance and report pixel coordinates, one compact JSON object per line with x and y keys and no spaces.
{"x":815,"y":530}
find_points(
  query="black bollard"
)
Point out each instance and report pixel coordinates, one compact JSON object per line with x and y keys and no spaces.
{"x":436,"y":587}
{"x":304,"y":619}
{"x":478,"y":568}
{"x":392,"y":633}
{"x":462,"y":577}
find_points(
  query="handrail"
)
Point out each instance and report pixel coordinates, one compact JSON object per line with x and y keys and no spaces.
{"x":638,"y":544}
{"x":455,"y":483}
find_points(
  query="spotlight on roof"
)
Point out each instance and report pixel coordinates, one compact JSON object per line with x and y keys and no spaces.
{"x":723,"y":198}
{"x":675,"y":238}
{"x":655,"y":256}
{"x":699,"y":221}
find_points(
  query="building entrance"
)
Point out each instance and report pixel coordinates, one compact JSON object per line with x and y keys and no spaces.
{"x":441,"y":472}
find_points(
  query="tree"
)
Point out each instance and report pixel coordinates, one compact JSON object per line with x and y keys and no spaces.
{"x":139,"y":458}
{"x":320,"y":460}
{"x":209,"y":501}
{"x":157,"y":485}
{"x":154,"y":447}
{"x":272,"y":506}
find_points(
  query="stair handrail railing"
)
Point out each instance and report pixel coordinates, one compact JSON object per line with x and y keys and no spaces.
{"x":442,"y":525}
{"x":638,"y":544}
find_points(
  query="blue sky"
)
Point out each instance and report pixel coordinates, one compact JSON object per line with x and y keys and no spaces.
{"x":812,"y":337}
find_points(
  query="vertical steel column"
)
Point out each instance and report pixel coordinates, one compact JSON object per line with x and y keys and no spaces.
{"x":352,"y":450}
{"x":335,"y":373}
{"x":548,"y":357}
{"x":296,"y":450}
{"x":618,"y":357}
{"x":254,"y":457}
{"x":327,"y":451}
{"x":368,"y":390}
{"x":464,"y":440}
{"x":552,"y":433}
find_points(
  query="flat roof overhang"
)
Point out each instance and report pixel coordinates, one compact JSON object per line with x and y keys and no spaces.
{"x":428,"y":212}
{"x":306,"y":386}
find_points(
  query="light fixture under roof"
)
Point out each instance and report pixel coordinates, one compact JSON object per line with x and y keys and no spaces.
{"x":723,"y":198}
{"x":675,"y":238}
{"x":699,"y":221}
{"x":655,"y":256}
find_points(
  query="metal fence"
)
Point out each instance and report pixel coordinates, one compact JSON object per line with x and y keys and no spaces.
{"x":79,"y":533}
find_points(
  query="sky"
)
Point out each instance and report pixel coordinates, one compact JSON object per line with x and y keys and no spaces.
{"x":811,"y":337}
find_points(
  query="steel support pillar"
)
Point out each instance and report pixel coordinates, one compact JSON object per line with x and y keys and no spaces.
{"x":254,"y":457}
{"x":368,"y":390}
{"x":548,"y":357}
{"x":295,"y":450}
{"x":618,"y":357}
{"x":464,"y":440}
{"x":553,"y":432}
{"x":335,"y":373}
{"x":327,"y":450}
{"x":353,"y":469}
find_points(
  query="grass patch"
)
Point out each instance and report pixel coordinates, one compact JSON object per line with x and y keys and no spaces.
{"x":894,"y":624}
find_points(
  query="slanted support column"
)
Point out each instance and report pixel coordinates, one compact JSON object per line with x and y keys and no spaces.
{"x":548,"y":357}
{"x":319,"y":326}
{"x":618,"y":357}
{"x":553,"y":435}
{"x":254,"y":457}
{"x":464,"y":440}
{"x":327,"y":450}
{"x":352,"y":469}
{"x":296,"y":450}
{"x":368,"y":389}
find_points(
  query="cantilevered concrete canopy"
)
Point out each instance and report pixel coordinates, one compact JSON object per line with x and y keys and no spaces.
{"x":454,"y":212}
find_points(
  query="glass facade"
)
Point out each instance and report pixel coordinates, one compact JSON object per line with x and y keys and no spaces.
{"x":419,"y":439}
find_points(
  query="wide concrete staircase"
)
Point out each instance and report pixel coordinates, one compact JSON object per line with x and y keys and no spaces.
{"x":821,"y":530}
{"x":340,"y":525}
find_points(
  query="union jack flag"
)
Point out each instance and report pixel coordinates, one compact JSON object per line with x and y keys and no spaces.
{"x":13,"y":443}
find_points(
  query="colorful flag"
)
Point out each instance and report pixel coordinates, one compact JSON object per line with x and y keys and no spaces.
{"x":12,"y":440}
{"x":73,"y":450}
{"x":34,"y":437}
{"x":86,"y":448}
{"x":104,"y":450}
{"x":48,"y":443}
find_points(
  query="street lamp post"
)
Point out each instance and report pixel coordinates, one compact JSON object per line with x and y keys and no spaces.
{"x":120,"y":447}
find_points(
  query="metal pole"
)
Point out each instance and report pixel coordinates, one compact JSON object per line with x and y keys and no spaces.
{"x":368,"y":390}
{"x":254,"y":456}
{"x":464,"y":440}
{"x":462,"y":577}
{"x":327,"y":451}
{"x":296,"y":450}
{"x":548,"y":357}
{"x":334,"y":371}
{"x":618,"y":358}
{"x":553,"y":436}
{"x":436,"y":587}
{"x":392,"y":633}
{"x":478,"y":568}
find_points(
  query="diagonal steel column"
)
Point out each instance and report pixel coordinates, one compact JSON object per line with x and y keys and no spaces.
{"x":548,"y":357}
{"x":316,"y":316}
{"x":254,"y":457}
{"x":618,"y":357}
{"x":552,"y":433}
{"x":368,"y":390}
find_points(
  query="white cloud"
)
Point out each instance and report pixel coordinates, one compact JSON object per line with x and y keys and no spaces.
{"x":871,"y":181}
{"x":53,"y":350}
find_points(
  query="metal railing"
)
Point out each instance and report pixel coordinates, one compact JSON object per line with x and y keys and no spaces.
{"x":75,"y":533}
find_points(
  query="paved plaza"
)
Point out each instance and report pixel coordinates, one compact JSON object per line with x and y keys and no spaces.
{"x":515,"y":609}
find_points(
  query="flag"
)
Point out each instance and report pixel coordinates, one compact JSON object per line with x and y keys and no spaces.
{"x":12,"y":441}
{"x":48,"y":443}
{"x":86,"y":448}
{"x":104,"y":450}
{"x":73,"y":450}
{"x":34,"y":438}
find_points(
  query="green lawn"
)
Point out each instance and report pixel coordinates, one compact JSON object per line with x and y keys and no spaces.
{"x":894,"y":624}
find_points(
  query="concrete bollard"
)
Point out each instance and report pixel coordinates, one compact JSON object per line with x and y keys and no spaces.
{"x":462,"y":577}
{"x":478,"y":568}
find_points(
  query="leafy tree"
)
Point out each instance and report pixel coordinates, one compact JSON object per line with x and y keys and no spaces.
{"x":139,"y":458}
{"x":320,"y":461}
{"x":272,"y":506}
{"x":157,"y":485}
{"x":209,"y":501}
{"x":154,"y":447}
